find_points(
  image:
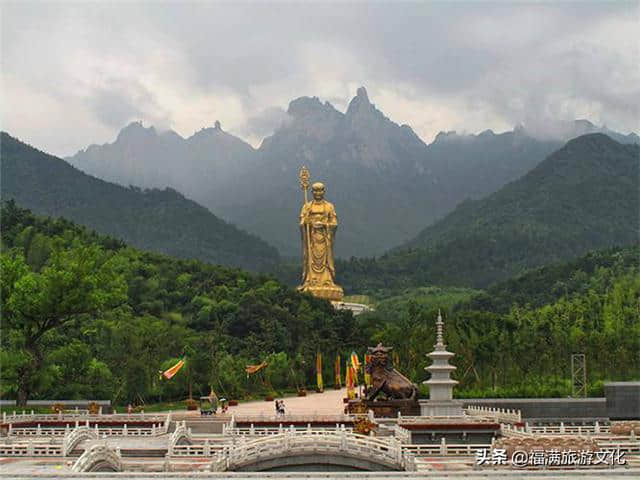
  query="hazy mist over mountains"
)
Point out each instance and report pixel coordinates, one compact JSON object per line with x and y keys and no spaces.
{"x":387,"y":183}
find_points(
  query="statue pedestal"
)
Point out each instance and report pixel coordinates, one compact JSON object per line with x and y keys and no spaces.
{"x":385,"y":408}
{"x":445,"y":408}
{"x":333,"y":293}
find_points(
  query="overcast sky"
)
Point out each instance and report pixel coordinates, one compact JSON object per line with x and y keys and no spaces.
{"x":76,"y":73}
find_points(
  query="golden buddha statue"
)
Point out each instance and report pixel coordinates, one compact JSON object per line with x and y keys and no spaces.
{"x":318,"y":224}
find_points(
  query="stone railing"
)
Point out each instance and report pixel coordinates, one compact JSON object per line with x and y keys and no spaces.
{"x":82,"y":416}
{"x":77,"y":435}
{"x":262,"y":431}
{"x":388,"y":452}
{"x":180,"y":436}
{"x":423,"y":419}
{"x":562,"y":429}
{"x":499,"y":415}
{"x":205,"y":449}
{"x":31,"y":449}
{"x":628,"y":446}
{"x":99,"y":458}
{"x":509,"y":430}
{"x":421,"y":450}
{"x":402,"y":434}
{"x":125,"y":430}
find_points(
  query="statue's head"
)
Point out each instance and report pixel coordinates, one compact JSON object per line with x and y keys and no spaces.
{"x":318,"y":190}
{"x":379,"y":357}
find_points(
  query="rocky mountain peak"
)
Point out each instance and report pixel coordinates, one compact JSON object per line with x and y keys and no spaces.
{"x":136,"y":131}
{"x":307,"y":106}
{"x":360,"y":103}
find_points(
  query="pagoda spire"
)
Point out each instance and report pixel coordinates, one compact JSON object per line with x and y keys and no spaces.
{"x":439,"y":338}
{"x":440,"y":384}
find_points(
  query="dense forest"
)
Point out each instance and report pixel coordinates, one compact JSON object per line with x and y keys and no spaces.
{"x":583,"y":197}
{"x":85,"y":315}
{"x":516,"y":338}
{"x":163,"y":221}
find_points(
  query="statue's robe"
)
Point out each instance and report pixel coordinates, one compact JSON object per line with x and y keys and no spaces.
{"x":318,"y":223}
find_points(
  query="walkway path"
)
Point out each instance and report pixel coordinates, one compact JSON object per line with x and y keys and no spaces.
{"x":329,"y":402}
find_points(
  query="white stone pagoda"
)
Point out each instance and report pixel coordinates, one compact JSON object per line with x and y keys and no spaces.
{"x":441,"y":402}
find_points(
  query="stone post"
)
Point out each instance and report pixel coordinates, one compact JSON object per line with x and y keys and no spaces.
{"x":207,"y":448}
{"x":443,"y":447}
{"x":30,"y":448}
{"x":38,"y":430}
{"x":124,"y":430}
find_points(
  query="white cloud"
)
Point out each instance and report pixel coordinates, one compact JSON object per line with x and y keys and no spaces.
{"x":73,"y":74}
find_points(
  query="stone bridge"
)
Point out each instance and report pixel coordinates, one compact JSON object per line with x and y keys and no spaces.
{"x":99,"y":458}
{"x":300,"y":450}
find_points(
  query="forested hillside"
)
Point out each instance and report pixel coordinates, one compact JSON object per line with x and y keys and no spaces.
{"x":583,"y":197}
{"x":158,"y":220}
{"x":516,"y":339}
{"x":84,"y":316}
{"x":548,"y":284}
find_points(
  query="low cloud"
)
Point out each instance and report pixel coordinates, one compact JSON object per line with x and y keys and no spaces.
{"x":263,"y":124}
{"x":89,"y":68}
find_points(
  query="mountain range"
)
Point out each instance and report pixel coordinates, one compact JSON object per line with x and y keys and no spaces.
{"x":387,"y":184}
{"x":159,"y":220}
{"x":585,"y":196}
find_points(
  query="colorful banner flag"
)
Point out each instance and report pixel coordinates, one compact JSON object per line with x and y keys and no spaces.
{"x":319,"y":371}
{"x":336,"y":372}
{"x":367,"y":376}
{"x":251,"y":369}
{"x":350,"y":381}
{"x":354,"y":361}
{"x":173,"y":370}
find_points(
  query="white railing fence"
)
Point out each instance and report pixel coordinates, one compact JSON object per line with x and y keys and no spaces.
{"x":497,"y":414}
{"x":388,"y":451}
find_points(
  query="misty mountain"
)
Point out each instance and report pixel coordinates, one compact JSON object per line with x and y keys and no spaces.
{"x":204,"y":166}
{"x":585,"y":196}
{"x":386,"y":183}
{"x":159,"y":220}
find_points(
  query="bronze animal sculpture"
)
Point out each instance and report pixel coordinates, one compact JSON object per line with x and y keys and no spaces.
{"x":386,"y":379}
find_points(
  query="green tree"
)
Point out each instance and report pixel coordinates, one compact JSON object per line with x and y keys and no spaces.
{"x":76,"y":283}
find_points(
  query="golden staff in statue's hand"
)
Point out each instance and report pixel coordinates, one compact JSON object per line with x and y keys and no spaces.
{"x":304,"y":184}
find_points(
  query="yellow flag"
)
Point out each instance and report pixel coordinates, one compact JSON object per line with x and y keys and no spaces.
{"x":319,"y":371}
{"x":173,"y":370}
